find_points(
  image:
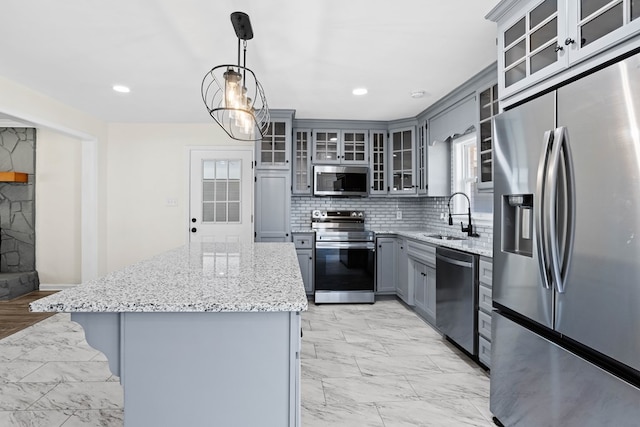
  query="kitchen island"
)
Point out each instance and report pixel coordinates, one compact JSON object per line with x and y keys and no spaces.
{"x":206,"y":334}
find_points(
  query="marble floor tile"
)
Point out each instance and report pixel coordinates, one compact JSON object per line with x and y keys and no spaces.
{"x":59,"y":353}
{"x":412,"y":348}
{"x":482,"y":405}
{"x":18,"y":396}
{"x":84,"y":395}
{"x":442,"y":386}
{"x":96,"y":418}
{"x":339,"y":351}
{"x":323,"y":336}
{"x":367,"y":390}
{"x":456,"y":363}
{"x":69,"y":372}
{"x":381,"y":335}
{"x":396,"y":365}
{"x":329,"y":368}
{"x":423,"y":413}
{"x":360,"y":415}
{"x":312,"y":391}
{"x":34,"y":418}
{"x":308,"y":350}
{"x":345,"y":325}
{"x":14,"y":371}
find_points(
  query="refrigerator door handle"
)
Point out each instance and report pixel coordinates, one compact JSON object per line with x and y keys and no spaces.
{"x":561,"y":156}
{"x":541,"y":224}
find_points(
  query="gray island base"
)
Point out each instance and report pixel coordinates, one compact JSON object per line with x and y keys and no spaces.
{"x":199,"y":341}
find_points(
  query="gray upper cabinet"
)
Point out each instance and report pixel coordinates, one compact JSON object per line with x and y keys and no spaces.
{"x":341,"y":146}
{"x":433,"y":163}
{"x":274,"y":150}
{"x":487,"y":108}
{"x":402,"y":161}
{"x":378,"y":164}
{"x":540,"y":38}
{"x":301,"y":169}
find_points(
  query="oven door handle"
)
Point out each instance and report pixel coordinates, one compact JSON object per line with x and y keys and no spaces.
{"x":345,"y":245}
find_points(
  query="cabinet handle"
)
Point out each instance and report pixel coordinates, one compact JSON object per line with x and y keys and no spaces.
{"x":310,"y":258}
{"x":380,"y":246}
{"x":569,"y":41}
{"x":558,"y":48}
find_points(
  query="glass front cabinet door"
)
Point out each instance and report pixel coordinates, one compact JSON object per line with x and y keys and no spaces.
{"x":403,"y":177}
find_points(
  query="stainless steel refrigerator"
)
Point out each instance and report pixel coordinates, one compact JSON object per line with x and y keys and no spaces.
{"x":566,"y":261}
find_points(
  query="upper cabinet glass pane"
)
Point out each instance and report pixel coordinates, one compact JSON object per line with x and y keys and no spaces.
{"x":514,"y":33}
{"x":542,"y":12}
{"x":587,"y":7}
{"x":541,"y":36}
{"x":516,"y":53}
{"x":601,"y":25}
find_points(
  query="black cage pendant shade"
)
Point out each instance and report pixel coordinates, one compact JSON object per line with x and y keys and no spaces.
{"x":232,"y":93}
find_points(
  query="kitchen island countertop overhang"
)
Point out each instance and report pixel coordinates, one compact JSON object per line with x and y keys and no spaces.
{"x":200,"y":277}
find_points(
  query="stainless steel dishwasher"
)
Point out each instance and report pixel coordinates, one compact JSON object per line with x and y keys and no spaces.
{"x":456,"y":297}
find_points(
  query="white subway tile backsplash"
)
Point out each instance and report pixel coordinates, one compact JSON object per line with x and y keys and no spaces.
{"x":380,"y":213}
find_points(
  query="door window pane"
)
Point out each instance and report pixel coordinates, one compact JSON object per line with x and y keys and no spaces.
{"x":635,"y":9}
{"x":542,"y":12}
{"x":514,"y":33}
{"x":234,"y":169}
{"x":221,"y":191}
{"x":601,"y":25}
{"x":544,"y":58}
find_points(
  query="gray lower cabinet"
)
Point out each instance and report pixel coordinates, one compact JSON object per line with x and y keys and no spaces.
{"x":273,"y":206}
{"x":304,"y":243}
{"x":403,"y":288}
{"x":485,"y":273}
{"x":385,"y":265}
{"x":422,"y":275}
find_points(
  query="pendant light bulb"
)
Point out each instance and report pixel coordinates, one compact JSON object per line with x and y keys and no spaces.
{"x":232,"y":88}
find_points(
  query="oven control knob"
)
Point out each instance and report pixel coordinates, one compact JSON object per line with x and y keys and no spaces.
{"x":315,"y":214}
{"x":354,"y":214}
{"x":360,"y":214}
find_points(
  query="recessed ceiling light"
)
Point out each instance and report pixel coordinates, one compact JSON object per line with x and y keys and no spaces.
{"x":121,"y":89}
{"x":418,"y":94}
{"x":360,"y":91}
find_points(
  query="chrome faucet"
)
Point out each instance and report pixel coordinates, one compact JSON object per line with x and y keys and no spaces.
{"x":469,"y":228}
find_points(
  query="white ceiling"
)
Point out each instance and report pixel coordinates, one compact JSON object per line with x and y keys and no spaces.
{"x":308,"y":54}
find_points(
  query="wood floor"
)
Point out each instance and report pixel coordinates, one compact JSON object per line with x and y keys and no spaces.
{"x":15,"y":314}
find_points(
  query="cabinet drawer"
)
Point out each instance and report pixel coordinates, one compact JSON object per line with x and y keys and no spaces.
{"x":484,"y":324}
{"x":484,"y":298}
{"x":485,"y":274}
{"x":422,"y":252}
{"x":484,"y":351}
{"x":303,"y":241}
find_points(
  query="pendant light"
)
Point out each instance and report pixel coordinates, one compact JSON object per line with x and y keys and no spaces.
{"x":233,"y":95}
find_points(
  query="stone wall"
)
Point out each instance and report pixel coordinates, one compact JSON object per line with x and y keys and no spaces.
{"x":17,"y":210}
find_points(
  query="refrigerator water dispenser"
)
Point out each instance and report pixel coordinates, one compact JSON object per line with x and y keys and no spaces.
{"x":517,"y":223}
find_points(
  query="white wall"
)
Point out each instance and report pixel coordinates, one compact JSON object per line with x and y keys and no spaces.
{"x":146,"y":165}
{"x":58,"y":214}
{"x":44,"y":112}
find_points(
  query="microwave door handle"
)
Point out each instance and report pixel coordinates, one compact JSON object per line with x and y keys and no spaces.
{"x":540,"y":200}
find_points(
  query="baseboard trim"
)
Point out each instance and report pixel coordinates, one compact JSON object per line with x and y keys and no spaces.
{"x":55,"y":287}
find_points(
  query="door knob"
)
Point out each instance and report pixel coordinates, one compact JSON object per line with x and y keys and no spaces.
{"x":193,"y":220}
{"x":193,"y":230}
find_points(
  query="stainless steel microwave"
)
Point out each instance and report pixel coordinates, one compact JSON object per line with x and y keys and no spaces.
{"x":330,"y":180}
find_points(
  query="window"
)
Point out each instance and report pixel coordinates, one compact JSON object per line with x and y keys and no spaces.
{"x":465,"y":177}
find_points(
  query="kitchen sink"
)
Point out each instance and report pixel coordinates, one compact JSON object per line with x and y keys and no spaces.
{"x":444,"y":237}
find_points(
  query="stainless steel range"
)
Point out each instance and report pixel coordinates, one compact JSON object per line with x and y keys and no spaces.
{"x":345,"y":257}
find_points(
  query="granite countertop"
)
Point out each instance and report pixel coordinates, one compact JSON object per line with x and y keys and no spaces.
{"x":472,"y":245}
{"x":200,"y":277}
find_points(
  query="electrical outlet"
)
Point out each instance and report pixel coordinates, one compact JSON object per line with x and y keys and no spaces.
{"x":398,"y":214}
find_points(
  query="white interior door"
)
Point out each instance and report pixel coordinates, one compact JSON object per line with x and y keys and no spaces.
{"x":221,"y":195}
